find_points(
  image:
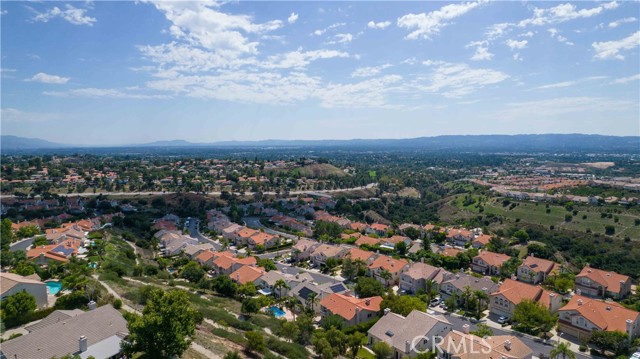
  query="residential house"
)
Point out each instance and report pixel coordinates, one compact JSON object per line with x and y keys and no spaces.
{"x":383,"y":264}
{"x":463,"y":345}
{"x":582,"y":315}
{"x":175,"y":246}
{"x":310,"y":294}
{"x":43,"y":255}
{"x":206,"y":258}
{"x":403,"y":227}
{"x":392,"y":241}
{"x":193,"y":251}
{"x":594,"y":282}
{"x":488,"y":263}
{"x":511,"y":293}
{"x":353,"y":310}
{"x":409,"y":335}
{"x":98,"y":333}
{"x":355,"y":254}
{"x":415,"y":278}
{"x":229,"y":232}
{"x":325,"y":251}
{"x":302,"y":249}
{"x":459,"y":282}
{"x":267,"y":283}
{"x":227,"y":263}
{"x":368,"y":241}
{"x":535,"y":270}
{"x":358,"y":226}
{"x":377,"y":228}
{"x":480,"y":241}
{"x":446,"y":250}
{"x":459,"y":237}
{"x":11,"y":284}
{"x":242,"y":236}
{"x":262,"y":239}
{"x":246,"y":274}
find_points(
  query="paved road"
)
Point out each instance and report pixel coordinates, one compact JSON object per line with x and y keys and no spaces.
{"x":317,"y":277}
{"x":194,"y":231}
{"x":21,"y":245}
{"x":254,"y":222}
{"x":90,"y":194}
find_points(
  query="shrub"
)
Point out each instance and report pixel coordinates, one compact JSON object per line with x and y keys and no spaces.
{"x":117,"y":304}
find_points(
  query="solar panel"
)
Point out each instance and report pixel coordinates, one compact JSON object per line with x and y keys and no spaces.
{"x":62,"y":249}
{"x":305,"y":292}
{"x":389,"y":333}
{"x":337,"y":288}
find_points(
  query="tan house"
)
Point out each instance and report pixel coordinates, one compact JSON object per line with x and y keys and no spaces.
{"x":262,"y":239}
{"x":415,"y":278}
{"x":511,"y":293}
{"x":488,"y":263}
{"x":353,"y":310}
{"x":362,"y":255}
{"x":11,"y":284}
{"x":302,"y":249}
{"x":384,"y":263}
{"x":246,"y":274}
{"x":582,"y":315}
{"x":325,"y":251}
{"x":463,"y":345}
{"x":535,"y":270}
{"x":594,"y":282}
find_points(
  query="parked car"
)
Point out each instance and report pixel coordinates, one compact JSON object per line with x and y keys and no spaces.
{"x":435,"y":302}
{"x":635,"y":355}
{"x":503,"y":320}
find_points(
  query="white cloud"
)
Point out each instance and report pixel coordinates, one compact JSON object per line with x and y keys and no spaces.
{"x":48,"y":79}
{"x":517,"y":57}
{"x":378,"y":25}
{"x":516,"y":45}
{"x":71,"y":14}
{"x":4,"y":12}
{"x":556,"y":85}
{"x":560,"y":106}
{"x":15,"y":115}
{"x":498,"y":30}
{"x":482,"y":53}
{"x":366,"y":94}
{"x":103,"y":93}
{"x":7,"y":70}
{"x":611,"y":49}
{"x":564,"y":12}
{"x":330,"y":27}
{"x":342,"y":39}
{"x":292,"y":18}
{"x":427,"y":25}
{"x":625,"y":80}
{"x":457,"y":80}
{"x":554,"y":33}
{"x":527,"y":34}
{"x":369,"y":71}
{"x":626,"y":20}
{"x":299,"y":58}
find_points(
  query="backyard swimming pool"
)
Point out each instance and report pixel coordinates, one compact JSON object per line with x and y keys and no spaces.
{"x":277,"y":312}
{"x":54,"y":287}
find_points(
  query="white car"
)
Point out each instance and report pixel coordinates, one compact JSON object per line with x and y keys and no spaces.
{"x":503,"y":320}
{"x":635,"y":355}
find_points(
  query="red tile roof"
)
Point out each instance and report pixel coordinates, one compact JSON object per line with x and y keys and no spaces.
{"x":609,"y":316}
{"x":392,"y":265}
{"x":609,"y":279}
{"x":345,"y":306}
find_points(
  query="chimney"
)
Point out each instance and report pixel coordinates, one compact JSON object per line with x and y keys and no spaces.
{"x":422,"y":260}
{"x":579,"y":302}
{"x":82,"y":343}
{"x":91,"y":305}
{"x":608,"y":308}
{"x":507,"y":344}
{"x":357,"y":313}
{"x":367,"y":301}
{"x":629,"y":327}
{"x":579,"y":291}
{"x":407,"y":347}
{"x":386,"y":311}
{"x":465,"y":329}
{"x":552,"y":296}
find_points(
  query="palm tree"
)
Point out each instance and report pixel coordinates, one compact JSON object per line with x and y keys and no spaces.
{"x":279,"y":285}
{"x":466,"y":295}
{"x":481,"y":296}
{"x":292,"y":303}
{"x":431,"y":285}
{"x":386,"y":275}
{"x":562,"y":350}
{"x":312,"y":300}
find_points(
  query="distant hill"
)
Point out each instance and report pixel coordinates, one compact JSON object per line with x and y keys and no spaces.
{"x":320,"y":170}
{"x":13,"y":143}
{"x":461,"y":143}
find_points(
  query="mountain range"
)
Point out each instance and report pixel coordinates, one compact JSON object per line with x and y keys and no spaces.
{"x":487,"y":143}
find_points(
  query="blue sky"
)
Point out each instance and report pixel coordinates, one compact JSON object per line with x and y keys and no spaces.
{"x":124,"y":72}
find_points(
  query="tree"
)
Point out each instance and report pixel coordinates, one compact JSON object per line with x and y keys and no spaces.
{"x":510,"y":267}
{"x":247,"y":290}
{"x":255,"y":341}
{"x":266,"y":263}
{"x":164,"y":330}
{"x":306,"y":327}
{"x":312,"y":300}
{"x":616,"y":341}
{"x":16,"y":307}
{"x":403,"y":304}
{"x":250,"y":306}
{"x":382,"y":350}
{"x":232,"y":355}
{"x":6,"y":237}
{"x":532,"y":317}
{"x":521,"y":235}
{"x":279,"y":285}
{"x":481,"y":296}
{"x":192,"y":272}
{"x":225,"y":286}
{"x":431,"y":287}
{"x":401,"y":248}
{"x":333,"y":321}
{"x":368,"y":287}
{"x":483,"y":330}
{"x":386,"y":275}
{"x":289,"y":330}
{"x":354,"y":341}
{"x":563,"y":351}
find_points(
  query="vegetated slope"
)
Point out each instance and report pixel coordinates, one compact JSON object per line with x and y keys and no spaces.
{"x":319,"y":170}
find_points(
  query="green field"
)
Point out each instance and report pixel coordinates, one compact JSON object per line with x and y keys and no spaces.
{"x":536,"y":213}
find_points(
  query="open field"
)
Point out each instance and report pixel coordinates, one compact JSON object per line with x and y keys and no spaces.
{"x":587,"y":219}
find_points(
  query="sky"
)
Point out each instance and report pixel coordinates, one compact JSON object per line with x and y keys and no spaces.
{"x":115,"y":72}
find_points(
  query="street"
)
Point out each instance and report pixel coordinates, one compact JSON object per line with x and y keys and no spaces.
{"x":21,"y":245}
{"x":194,"y":231}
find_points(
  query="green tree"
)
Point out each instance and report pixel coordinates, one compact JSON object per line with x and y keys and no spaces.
{"x":279,"y":285}
{"x":6,"y":237}
{"x":164,"y":330}
{"x":616,"y":341}
{"x":403,"y":304}
{"x":382,"y":350}
{"x":481,"y":298}
{"x":255,"y":341}
{"x":401,"y":248}
{"x":16,"y":307}
{"x":532,"y":317}
{"x":289,"y":330}
{"x":225,"y":286}
{"x":232,"y":355}
{"x":250,"y":306}
{"x":354,"y":341}
{"x":192,"y":272}
{"x":266,"y":263}
{"x":386,"y":275}
{"x":368,"y":287}
{"x":483,"y":330}
{"x":562,"y":351}
{"x":333,"y":321}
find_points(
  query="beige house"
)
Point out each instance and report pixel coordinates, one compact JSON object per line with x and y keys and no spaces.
{"x":463,"y":345}
{"x":415,"y":278}
{"x":582,"y":315}
{"x":11,"y":284}
{"x":353,"y":310}
{"x":535,"y":270}
{"x":383,"y":264}
{"x":488,"y":263}
{"x":594,"y":282}
{"x":511,"y":293}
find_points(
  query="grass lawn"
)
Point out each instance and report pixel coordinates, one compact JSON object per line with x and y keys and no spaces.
{"x":365,"y":354}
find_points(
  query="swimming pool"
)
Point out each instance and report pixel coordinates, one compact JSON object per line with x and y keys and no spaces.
{"x":54,"y":287}
{"x":277,"y":312}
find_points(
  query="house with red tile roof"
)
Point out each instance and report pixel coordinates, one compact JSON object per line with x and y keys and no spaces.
{"x":369,"y":241}
{"x":480,"y":241}
{"x":385,"y":263}
{"x":262,"y":239}
{"x":535,"y":270}
{"x":60,"y":252}
{"x":353,"y":310}
{"x":582,"y":315}
{"x":392,"y":241}
{"x":511,"y":292}
{"x":377,"y":228}
{"x":246,"y":274}
{"x":359,"y":254}
{"x":414,"y":279}
{"x":325,"y":251}
{"x":242,"y":236}
{"x":358,"y":226}
{"x":460,"y":236}
{"x":594,"y":282}
{"x":463,"y":345}
{"x":488,"y":263}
